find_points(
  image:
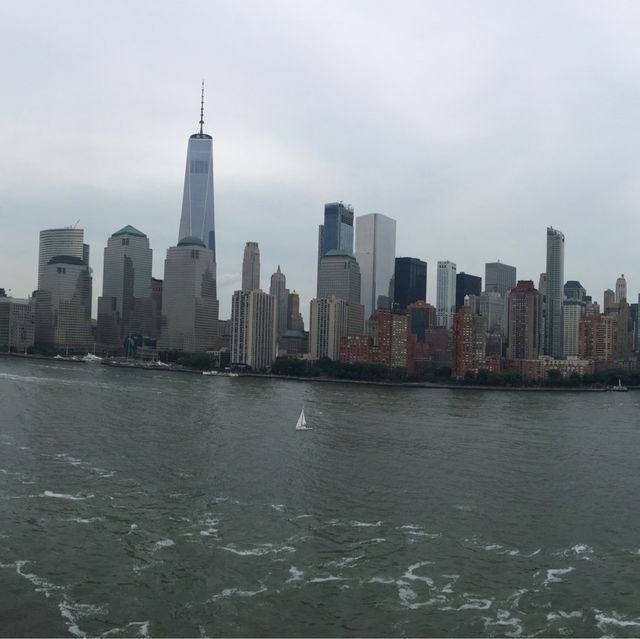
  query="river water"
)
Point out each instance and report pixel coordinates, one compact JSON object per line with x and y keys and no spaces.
{"x":137,"y":503}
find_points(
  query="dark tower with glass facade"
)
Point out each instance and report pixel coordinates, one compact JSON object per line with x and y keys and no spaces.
{"x":409,"y":281}
{"x":336,"y":234}
{"x":466,"y":285}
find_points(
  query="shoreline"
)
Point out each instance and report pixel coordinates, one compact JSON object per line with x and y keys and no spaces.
{"x":435,"y":386}
{"x":327,"y":380}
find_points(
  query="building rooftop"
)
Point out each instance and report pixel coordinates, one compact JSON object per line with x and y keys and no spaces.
{"x":129,"y":230}
{"x":338,"y":253}
{"x":191,"y":241}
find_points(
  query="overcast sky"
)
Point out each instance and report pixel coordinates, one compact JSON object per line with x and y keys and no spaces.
{"x":474,"y":124}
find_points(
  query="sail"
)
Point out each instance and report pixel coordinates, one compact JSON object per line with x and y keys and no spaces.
{"x":302,"y":422}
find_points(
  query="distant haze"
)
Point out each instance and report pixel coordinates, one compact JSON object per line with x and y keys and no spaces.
{"x":474,"y":124}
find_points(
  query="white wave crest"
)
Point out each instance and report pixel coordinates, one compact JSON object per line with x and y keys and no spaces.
{"x":50,"y":493}
{"x":614,"y":619}
{"x":561,"y":614}
{"x":296,"y":575}
{"x":321,"y":580}
{"x":236,"y":592}
{"x":505,"y":620}
{"x":553,"y":575}
{"x":410,"y":573}
{"x":345,"y":562}
{"x":257,"y":551}
{"x":162,"y":543}
{"x":74,"y":612}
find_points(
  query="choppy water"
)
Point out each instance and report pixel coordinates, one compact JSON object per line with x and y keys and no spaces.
{"x":135,"y":503}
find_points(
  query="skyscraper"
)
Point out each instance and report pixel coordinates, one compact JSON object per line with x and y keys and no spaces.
{"x":251,"y":267}
{"x":609,"y":302}
{"x":573,"y":312}
{"x":339,"y":276}
{"x":336,"y":234}
{"x":621,"y":289}
{"x":197,"y":218}
{"x":327,"y":326}
{"x":499,"y":277}
{"x":554,"y":294}
{"x":189,"y":304}
{"x":574,"y":290}
{"x":253,"y":329}
{"x":525,"y":322}
{"x":66,"y":241}
{"x":63,"y":304}
{"x":376,"y":253}
{"x":294,"y":318}
{"x":466,"y":285}
{"x":469,"y":341}
{"x":409,"y":281}
{"x":125,"y":306}
{"x":280,"y":291}
{"x":446,"y":293}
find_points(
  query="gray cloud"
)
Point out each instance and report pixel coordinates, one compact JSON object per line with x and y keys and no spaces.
{"x":475,"y":125}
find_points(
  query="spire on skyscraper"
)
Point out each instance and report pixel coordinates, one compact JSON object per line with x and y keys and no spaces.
{"x":197,"y":218}
{"x":202,"y":108}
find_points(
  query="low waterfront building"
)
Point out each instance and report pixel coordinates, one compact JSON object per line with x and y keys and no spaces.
{"x":17,"y":323}
{"x":293,"y":343}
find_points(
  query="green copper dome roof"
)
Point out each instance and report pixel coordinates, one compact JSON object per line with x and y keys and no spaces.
{"x":191,"y":241}
{"x":129,"y":230}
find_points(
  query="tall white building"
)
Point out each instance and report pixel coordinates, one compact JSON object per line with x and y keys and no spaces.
{"x":125,"y":306}
{"x":280,"y":291}
{"x":376,"y":254}
{"x":197,"y":219}
{"x":554,"y":294}
{"x":253,"y":329}
{"x":251,"y":267}
{"x":56,"y":242}
{"x":446,"y":294}
{"x":621,"y":289}
{"x":328,"y":324}
{"x":189,"y":304}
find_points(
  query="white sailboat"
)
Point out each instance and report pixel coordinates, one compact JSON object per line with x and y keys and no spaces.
{"x":302,"y":422}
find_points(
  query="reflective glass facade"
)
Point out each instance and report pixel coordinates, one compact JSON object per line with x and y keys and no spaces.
{"x":554,"y":294}
{"x":189,"y":304}
{"x":197,"y":218}
{"x":409,"y":281}
{"x":376,"y":254}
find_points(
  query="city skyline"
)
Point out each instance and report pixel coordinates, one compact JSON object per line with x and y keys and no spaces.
{"x":432,"y":168}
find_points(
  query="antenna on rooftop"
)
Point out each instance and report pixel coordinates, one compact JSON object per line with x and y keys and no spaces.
{"x":202,"y":108}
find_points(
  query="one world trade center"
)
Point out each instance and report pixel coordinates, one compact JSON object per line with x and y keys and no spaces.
{"x":197,"y":218}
